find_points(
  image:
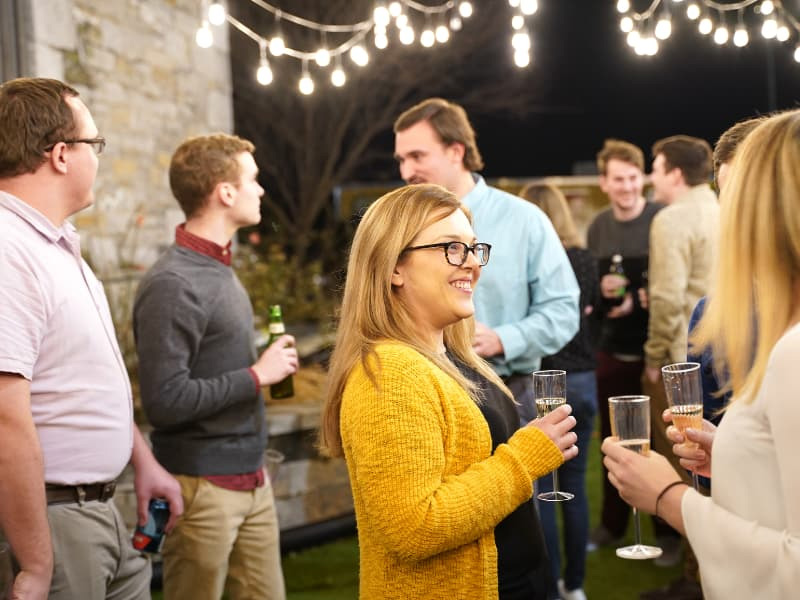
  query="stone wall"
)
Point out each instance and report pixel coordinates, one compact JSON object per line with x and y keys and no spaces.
{"x":148,"y":86}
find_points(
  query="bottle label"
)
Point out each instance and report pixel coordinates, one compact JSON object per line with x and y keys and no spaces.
{"x":277,"y":328}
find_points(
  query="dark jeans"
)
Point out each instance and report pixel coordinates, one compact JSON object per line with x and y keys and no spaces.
{"x":582,"y":396}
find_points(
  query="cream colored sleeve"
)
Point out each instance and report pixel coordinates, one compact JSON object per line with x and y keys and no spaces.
{"x":668,"y":271}
{"x":724,"y":542}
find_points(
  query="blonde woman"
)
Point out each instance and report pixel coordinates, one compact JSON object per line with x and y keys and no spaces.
{"x":577,"y":359}
{"x":747,"y":534}
{"x":441,"y":481}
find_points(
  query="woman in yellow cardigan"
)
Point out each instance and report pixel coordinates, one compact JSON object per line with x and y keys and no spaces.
{"x":436,"y":470}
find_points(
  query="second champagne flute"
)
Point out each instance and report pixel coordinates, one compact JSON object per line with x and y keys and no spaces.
{"x":550,"y":392}
{"x":685,"y":399}
{"x":630,"y":424}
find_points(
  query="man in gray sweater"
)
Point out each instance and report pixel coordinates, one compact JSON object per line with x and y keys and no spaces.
{"x":201,"y":381}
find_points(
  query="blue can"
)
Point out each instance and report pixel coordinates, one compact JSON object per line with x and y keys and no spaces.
{"x":149,"y":537}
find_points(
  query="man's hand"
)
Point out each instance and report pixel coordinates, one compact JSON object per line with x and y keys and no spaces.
{"x":151,"y":480}
{"x":653,"y":374}
{"x":486,"y":342}
{"x":277,"y":362}
{"x":30,"y":586}
{"x":612,"y":284}
{"x":623,"y":309}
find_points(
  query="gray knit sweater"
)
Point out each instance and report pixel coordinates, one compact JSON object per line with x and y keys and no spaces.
{"x":193,"y":324}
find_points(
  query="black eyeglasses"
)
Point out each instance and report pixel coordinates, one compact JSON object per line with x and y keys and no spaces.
{"x":98,"y":144}
{"x":456,"y":252}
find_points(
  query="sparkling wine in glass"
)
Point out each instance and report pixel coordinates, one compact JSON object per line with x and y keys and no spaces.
{"x":630,"y":424}
{"x":685,"y":398}
{"x":550,"y":392}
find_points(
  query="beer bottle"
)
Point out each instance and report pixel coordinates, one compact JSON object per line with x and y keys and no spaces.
{"x":616,"y":269}
{"x":284,"y":388}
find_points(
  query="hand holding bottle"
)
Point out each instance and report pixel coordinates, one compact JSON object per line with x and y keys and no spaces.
{"x":277,"y":362}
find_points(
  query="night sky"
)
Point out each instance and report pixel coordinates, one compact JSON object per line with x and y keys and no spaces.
{"x":593,"y":86}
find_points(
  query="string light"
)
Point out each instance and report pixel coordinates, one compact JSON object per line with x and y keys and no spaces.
{"x":446,"y":15}
{"x":777,"y":22}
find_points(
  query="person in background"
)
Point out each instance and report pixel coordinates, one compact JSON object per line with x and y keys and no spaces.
{"x":66,"y":425}
{"x":442,"y":479}
{"x":746,"y":535}
{"x":714,"y":398}
{"x":622,"y":229}
{"x":527,"y":306}
{"x":578,"y":360}
{"x":201,"y":381}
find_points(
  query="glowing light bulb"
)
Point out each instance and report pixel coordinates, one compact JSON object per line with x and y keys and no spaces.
{"x":521,"y":58}
{"x":633,"y":38}
{"x":204,"y":38}
{"x":705,"y":26}
{"x":381,"y":41}
{"x":264,"y":73}
{"x":693,"y":11}
{"x":663,"y":28}
{"x":455,"y":23}
{"x":517,"y":22}
{"x":442,"y":34}
{"x":465,"y":9}
{"x":797,"y":53}
{"x":381,"y":15}
{"x":623,"y":6}
{"x":782,"y":34}
{"x":276,"y":46}
{"x":358,"y":54}
{"x":770,"y":28}
{"x":513,"y":3}
{"x":216,"y":13}
{"x":395,"y":8}
{"x":521,"y":41}
{"x":741,"y":37}
{"x":528,"y":7}
{"x":306,"y":85}
{"x":338,"y":77}
{"x":767,"y":6}
{"x":401,"y":21}
{"x":323,"y":57}
{"x":427,"y":38}
{"x":626,"y":24}
{"x":406,"y":36}
{"x":721,"y":35}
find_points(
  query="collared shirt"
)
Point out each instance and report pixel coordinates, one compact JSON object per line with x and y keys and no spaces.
{"x":56,"y":331}
{"x":527,"y":293}
{"x":683,"y":243}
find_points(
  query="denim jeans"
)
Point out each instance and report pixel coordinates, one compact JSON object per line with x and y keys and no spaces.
{"x":582,"y":396}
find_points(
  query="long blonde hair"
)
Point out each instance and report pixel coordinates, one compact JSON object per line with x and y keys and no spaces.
{"x":754,"y":299}
{"x":553,"y":203}
{"x":371,"y":310}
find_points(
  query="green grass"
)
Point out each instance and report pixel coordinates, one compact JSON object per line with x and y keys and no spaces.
{"x":330,"y":571}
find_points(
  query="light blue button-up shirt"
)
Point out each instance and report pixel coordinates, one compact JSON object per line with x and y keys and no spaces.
{"x":527,"y":293}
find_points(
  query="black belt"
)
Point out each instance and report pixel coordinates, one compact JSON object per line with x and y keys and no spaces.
{"x":69,"y":494}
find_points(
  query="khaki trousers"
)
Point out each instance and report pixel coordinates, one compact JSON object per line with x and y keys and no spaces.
{"x":226,"y":541}
{"x":94,"y":556}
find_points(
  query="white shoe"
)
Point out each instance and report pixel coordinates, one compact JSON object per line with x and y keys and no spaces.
{"x":576,"y":594}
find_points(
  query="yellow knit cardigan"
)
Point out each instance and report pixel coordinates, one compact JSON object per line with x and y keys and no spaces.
{"x":428,"y":491}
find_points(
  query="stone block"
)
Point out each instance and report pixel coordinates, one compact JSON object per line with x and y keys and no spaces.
{"x":53,"y":24}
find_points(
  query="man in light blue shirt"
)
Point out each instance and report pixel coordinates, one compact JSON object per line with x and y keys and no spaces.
{"x":526,"y":305}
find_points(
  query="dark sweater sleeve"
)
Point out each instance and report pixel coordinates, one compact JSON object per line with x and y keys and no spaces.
{"x":169,"y":323}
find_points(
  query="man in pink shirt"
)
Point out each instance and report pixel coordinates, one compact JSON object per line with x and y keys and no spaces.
{"x":66,"y":426}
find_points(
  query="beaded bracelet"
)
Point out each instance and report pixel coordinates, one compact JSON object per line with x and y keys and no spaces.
{"x":664,"y":491}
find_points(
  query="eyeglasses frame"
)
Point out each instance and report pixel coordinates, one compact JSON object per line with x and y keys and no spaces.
{"x":467,"y":250}
{"x":98,"y":144}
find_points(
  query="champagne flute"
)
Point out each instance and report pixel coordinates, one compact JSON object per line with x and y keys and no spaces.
{"x":630,"y":424}
{"x":685,"y":398}
{"x":550,"y":392}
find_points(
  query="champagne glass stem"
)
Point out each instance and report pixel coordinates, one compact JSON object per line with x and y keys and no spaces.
{"x":695,"y":482}
{"x":637,"y":528}
{"x":555,"y":481}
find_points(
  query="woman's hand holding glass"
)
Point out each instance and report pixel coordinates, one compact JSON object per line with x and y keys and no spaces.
{"x":558,"y":426}
{"x":695,"y":459}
